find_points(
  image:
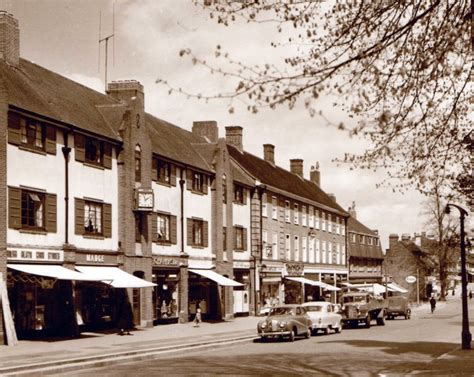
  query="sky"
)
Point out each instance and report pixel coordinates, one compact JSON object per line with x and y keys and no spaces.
{"x":62,"y":35}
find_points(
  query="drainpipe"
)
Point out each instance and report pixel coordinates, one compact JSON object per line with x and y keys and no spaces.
{"x":66,"y":150}
{"x":181,"y":220}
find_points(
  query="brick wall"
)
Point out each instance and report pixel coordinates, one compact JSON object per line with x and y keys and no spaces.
{"x":3,"y":191}
{"x":9,"y":39}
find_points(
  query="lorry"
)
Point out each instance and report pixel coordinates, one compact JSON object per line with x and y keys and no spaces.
{"x":398,"y":306}
{"x":362,"y":307}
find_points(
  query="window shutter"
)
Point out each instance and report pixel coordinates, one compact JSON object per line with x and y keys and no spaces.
{"x":79,"y":148}
{"x":204,"y":183}
{"x":173,"y":175}
{"x":50,"y":139}
{"x":14,"y":129}
{"x":107,"y":155}
{"x":79,"y":215}
{"x":107,"y":220}
{"x":189,"y":228}
{"x":51,"y":213}
{"x":244,"y":242}
{"x":154,"y":227}
{"x":205,"y":234}
{"x":189,"y":179}
{"x":154,"y":169}
{"x":244,"y":196}
{"x":14,"y":208}
{"x":173,"y":230}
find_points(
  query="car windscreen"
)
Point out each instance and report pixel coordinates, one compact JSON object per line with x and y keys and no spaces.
{"x":356,"y":299}
{"x":314,"y":308}
{"x":281,"y":311}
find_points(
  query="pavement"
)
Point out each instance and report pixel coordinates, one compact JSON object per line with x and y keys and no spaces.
{"x":34,"y":357}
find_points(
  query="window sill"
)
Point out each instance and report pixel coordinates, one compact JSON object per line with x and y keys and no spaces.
{"x":198,"y":192}
{"x":94,"y":237}
{"x":33,"y":231}
{"x":166,"y":184}
{"x":91,"y":165}
{"x":164,"y":243}
{"x":32,"y":149}
{"x":239,"y":203}
{"x":198,"y":246}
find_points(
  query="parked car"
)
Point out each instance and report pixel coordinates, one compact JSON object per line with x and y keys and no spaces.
{"x":285,"y":321}
{"x":398,"y":306}
{"x":324,"y":316}
{"x":363,"y":307}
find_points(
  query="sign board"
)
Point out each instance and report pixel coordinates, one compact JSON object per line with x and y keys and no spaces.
{"x":410,"y":279}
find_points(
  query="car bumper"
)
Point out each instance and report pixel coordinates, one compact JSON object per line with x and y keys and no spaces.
{"x":274,"y":334}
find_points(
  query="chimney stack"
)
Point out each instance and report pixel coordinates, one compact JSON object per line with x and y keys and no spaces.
{"x":392,"y":241}
{"x":126,"y":90}
{"x":315,"y":175}
{"x":269,"y":153}
{"x":233,"y":136}
{"x":207,"y":129}
{"x":9,"y":39}
{"x":332,"y":196}
{"x":296,"y":166}
{"x":353,"y":212}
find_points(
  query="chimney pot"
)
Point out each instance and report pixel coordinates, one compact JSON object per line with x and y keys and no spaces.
{"x":315,"y":175}
{"x":296,"y":166}
{"x":207,"y":129}
{"x":233,"y":136}
{"x":352,"y":211}
{"x":9,"y":39}
{"x":269,"y":153}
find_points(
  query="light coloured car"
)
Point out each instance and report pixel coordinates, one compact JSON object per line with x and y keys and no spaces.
{"x":285,"y":321}
{"x":324,"y":316}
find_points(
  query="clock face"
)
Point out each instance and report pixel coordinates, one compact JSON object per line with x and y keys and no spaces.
{"x":145,"y":200}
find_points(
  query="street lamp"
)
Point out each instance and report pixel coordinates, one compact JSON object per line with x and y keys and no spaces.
{"x":465,"y":334}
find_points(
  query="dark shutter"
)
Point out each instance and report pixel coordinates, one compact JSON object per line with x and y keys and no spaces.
{"x":189,"y":179}
{"x":189,"y":228}
{"x":244,"y":241}
{"x":107,"y":155}
{"x":154,"y":227}
{"x":79,"y":215}
{"x":50,"y":139}
{"x":244,"y":195}
{"x":14,"y":129}
{"x":107,"y":220}
{"x":14,"y":208}
{"x":205,"y":234}
{"x":173,"y":230}
{"x":205,"y":179}
{"x":51,"y":213}
{"x":173,"y":174}
{"x":154,"y":169}
{"x":79,"y":147}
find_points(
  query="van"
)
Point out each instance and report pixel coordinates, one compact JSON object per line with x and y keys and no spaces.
{"x":398,"y":306}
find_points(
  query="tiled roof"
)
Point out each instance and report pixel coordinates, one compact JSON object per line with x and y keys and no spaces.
{"x":357,"y":249}
{"x":282,"y":179}
{"x":356,"y":226}
{"x":178,"y":144}
{"x":41,"y":91}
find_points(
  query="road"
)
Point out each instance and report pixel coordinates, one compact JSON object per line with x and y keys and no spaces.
{"x":400,"y":347}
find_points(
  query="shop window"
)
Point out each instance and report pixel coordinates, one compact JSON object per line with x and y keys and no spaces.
{"x":166,"y":296}
{"x":93,"y":151}
{"x":163,"y":228}
{"x":32,"y":209}
{"x":239,"y":194}
{"x":92,"y":217}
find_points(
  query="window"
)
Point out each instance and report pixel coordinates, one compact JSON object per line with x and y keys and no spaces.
{"x":32,"y":209}
{"x":323,"y":221}
{"x":93,"y":151}
{"x":287,"y":247}
{"x":323,"y":251}
{"x":239,"y":193}
{"x":138,"y":164}
{"x":316,"y":219}
{"x":329,"y":224}
{"x":274,"y":208}
{"x":296,"y":215}
{"x":198,"y":182}
{"x":343,"y":254}
{"x":318,"y":251}
{"x":377,"y":242}
{"x":287,"y":211}
{"x":239,"y":238}
{"x":330,"y":252}
{"x":138,"y":227}
{"x":311,"y":217}
{"x":353,"y":237}
{"x":264,"y":205}
{"x":343,"y":228}
{"x":163,"y":228}
{"x":338,"y":254}
{"x":337,"y":225}
{"x":224,"y":238}
{"x":92,"y":217}
{"x":163,"y":171}
{"x":303,"y":216}
{"x":275,"y":245}
{"x":311,"y":250}
{"x":304,"y":241}
{"x":297,"y":248}
{"x":197,"y":233}
{"x":361,"y":238}
{"x":369,"y":240}
{"x":267,"y":247}
{"x":32,"y":133}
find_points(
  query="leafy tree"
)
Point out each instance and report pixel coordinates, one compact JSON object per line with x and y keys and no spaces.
{"x":400,"y":68}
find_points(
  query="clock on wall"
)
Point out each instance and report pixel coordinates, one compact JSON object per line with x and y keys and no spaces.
{"x":144,"y":199}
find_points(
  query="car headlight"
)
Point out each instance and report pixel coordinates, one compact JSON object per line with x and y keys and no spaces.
{"x":282,"y":324}
{"x":263,"y":325}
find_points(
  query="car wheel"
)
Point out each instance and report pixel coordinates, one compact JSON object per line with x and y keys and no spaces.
{"x":326,"y":330}
{"x":367,"y":321}
{"x":381,"y":321}
{"x":292,"y":335}
{"x":308,"y":333}
{"x":338,"y":328}
{"x":408,"y":314}
{"x":315,"y":331}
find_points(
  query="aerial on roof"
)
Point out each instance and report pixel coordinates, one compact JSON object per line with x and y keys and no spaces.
{"x":282,"y":179}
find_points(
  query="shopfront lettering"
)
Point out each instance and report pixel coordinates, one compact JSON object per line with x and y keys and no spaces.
{"x":95,"y":258}
{"x":160,"y":261}
{"x":295,"y":269}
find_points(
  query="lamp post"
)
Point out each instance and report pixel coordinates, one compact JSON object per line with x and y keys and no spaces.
{"x":465,"y":334}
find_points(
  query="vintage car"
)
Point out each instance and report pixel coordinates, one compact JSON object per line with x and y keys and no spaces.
{"x":363,"y":307}
{"x":398,"y":306}
{"x":324,"y":316}
{"x":285,"y":321}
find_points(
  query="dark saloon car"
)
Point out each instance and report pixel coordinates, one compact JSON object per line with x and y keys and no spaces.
{"x":285,"y":321}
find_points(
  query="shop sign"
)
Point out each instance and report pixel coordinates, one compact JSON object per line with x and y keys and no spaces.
{"x":294,"y":269}
{"x":96,"y":259}
{"x":238,"y":264}
{"x":165,"y":262}
{"x":410,"y":279}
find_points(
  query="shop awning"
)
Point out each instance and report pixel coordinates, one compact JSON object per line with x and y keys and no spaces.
{"x":395,"y":287}
{"x":376,"y":288}
{"x":51,"y":271}
{"x":314,"y":283}
{"x":114,"y":276}
{"x":219,"y":279}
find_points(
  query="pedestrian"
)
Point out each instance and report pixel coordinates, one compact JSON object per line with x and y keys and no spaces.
{"x":432,"y":303}
{"x":124,"y":316}
{"x":197,"y":317}
{"x":470,"y":294}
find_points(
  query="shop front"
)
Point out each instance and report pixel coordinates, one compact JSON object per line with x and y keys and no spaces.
{"x":166,"y":295}
{"x":271,"y":286}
